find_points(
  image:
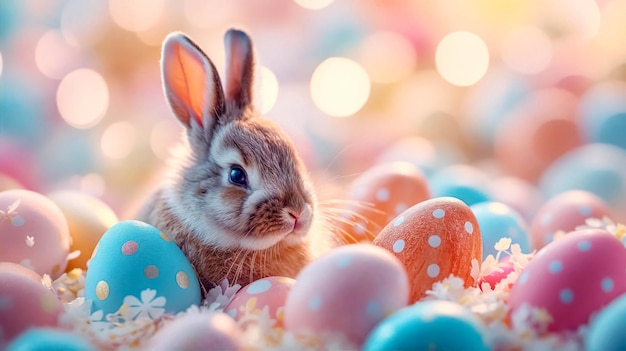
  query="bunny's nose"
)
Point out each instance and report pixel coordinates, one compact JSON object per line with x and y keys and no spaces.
{"x":300,"y":218}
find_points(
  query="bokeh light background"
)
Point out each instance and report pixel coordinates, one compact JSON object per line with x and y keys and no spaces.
{"x":529,"y":96}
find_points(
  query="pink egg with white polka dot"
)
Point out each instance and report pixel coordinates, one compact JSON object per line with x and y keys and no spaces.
{"x":24,"y":302}
{"x":573,"y":277}
{"x":268,"y":293}
{"x":563,"y":213}
{"x":378,"y":196}
{"x":345,"y":293}
{"x":33,"y":232}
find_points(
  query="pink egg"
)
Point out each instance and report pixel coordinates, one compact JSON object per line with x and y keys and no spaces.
{"x":346,"y":293}
{"x":270,"y":293}
{"x":24,"y":302}
{"x":565,"y":212}
{"x":573,"y":277}
{"x":495,"y":277}
{"x":203,"y":331}
{"x":33,"y":232}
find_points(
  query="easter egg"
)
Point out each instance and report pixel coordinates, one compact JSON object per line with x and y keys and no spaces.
{"x":521,"y":195}
{"x":606,"y":330}
{"x":428,"y":325}
{"x":211,"y":331}
{"x":270,"y":293}
{"x":49,"y":339}
{"x":138,"y":266}
{"x":24,"y":302}
{"x":463,"y":182}
{"x":538,"y":131}
{"x":565,"y":212}
{"x":33,"y":232}
{"x":497,"y":220}
{"x":573,"y":277}
{"x":377,"y":196}
{"x":596,"y":168}
{"x":434,"y":239}
{"x":88,"y":218}
{"x":603,"y":113}
{"x":345,"y":293}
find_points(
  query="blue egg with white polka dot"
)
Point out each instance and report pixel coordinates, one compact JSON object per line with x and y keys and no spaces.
{"x":497,"y":220}
{"x":426,"y":326}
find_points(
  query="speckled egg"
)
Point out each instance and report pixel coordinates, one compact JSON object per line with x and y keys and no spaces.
{"x":428,"y":325}
{"x":138,"y":266}
{"x":378,"y":195}
{"x":497,"y":220}
{"x":49,"y":339}
{"x":565,"y":212}
{"x":573,"y":277}
{"x":33,"y":232}
{"x":88,"y":218}
{"x":24,"y":302}
{"x":345,"y":293}
{"x":434,"y":239}
{"x":270,"y":293}
{"x":210,"y":331}
{"x":606,"y":330}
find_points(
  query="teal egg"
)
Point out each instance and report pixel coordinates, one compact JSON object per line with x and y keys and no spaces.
{"x":497,"y":220}
{"x":138,"y":266}
{"x":428,"y":325}
{"x":466,"y":183}
{"x":606,"y":330}
{"x":43,"y":339}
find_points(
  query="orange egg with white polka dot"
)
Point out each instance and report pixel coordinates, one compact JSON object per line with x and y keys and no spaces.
{"x":379,"y":195}
{"x":434,"y":239}
{"x":138,"y":271}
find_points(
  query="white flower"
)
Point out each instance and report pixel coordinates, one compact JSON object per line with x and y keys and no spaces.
{"x":149,"y":306}
{"x":503,"y":244}
{"x":221,"y":294}
{"x":11,"y":215}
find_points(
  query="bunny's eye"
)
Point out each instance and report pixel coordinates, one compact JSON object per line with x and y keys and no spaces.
{"x":238,"y":176}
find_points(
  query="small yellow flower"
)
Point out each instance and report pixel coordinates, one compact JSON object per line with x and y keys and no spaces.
{"x":503,"y":244}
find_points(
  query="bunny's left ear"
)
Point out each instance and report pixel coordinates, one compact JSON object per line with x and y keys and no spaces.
{"x":239,"y":68}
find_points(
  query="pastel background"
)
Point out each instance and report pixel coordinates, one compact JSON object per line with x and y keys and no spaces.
{"x":529,"y":95}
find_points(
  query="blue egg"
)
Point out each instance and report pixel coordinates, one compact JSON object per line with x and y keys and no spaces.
{"x":40,"y":339}
{"x":606,"y":330}
{"x":497,"y":220}
{"x":597,"y":168}
{"x":428,"y":325}
{"x":463,"y":182}
{"x":603,"y":114}
{"x":138,"y":267}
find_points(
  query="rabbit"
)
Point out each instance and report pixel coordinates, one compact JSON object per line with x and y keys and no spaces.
{"x":239,"y":203}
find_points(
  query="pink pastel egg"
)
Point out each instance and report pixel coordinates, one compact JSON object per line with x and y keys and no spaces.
{"x":33,"y":232}
{"x":198,"y":331}
{"x":24,"y":302}
{"x":565,"y":212}
{"x":346,"y":293}
{"x":270,"y":293}
{"x":573,"y":277}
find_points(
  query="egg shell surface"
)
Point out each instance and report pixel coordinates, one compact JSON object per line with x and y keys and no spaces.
{"x":87,"y":218}
{"x":565,"y":212}
{"x":381,"y":193}
{"x":33,"y":232}
{"x":497,"y":220}
{"x":345,"y":293}
{"x":606,"y":330}
{"x":49,"y":339}
{"x":270,"y":293}
{"x":434,"y":239}
{"x":428,"y":325}
{"x":466,"y":183}
{"x":573,"y":277}
{"x":24,"y":302}
{"x":137,"y":265}
{"x":212,"y":331}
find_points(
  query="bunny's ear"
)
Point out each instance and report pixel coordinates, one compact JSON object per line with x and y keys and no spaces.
{"x":239,"y":67}
{"x":191,"y":83}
